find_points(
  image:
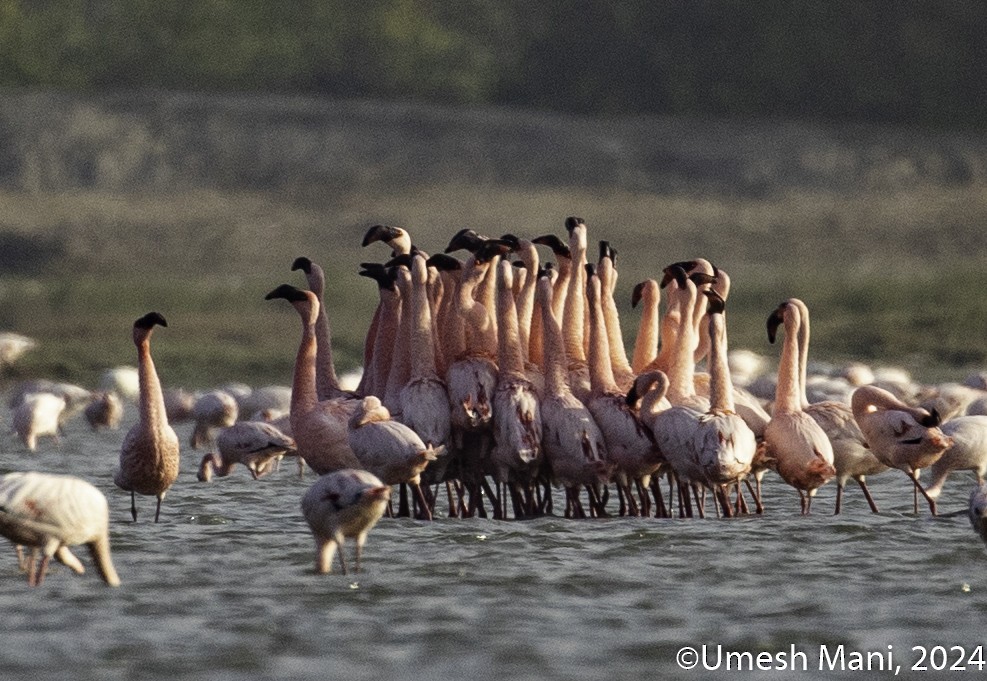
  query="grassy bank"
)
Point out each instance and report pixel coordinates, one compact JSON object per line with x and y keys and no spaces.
{"x":890,"y":278}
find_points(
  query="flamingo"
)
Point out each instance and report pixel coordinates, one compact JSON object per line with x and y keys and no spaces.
{"x":344,"y":503}
{"x":630,"y":446}
{"x":851,"y":456}
{"x":149,"y":456}
{"x":38,"y":415}
{"x":326,"y":380}
{"x":516,"y":454}
{"x":389,"y":449}
{"x":573,"y":444}
{"x":802,"y":453}
{"x":51,"y":513}
{"x":902,"y":437}
{"x":978,"y":511}
{"x":104,"y":411}
{"x":968,"y":452}
{"x":214,"y":409}
{"x":725,"y":444}
{"x":255,"y":444}
{"x":319,"y":428}
{"x":424,"y":398}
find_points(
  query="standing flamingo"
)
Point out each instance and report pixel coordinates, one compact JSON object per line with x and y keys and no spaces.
{"x":802,"y":453}
{"x":53,"y":512}
{"x":149,"y":456}
{"x":344,"y":503}
{"x":319,"y":428}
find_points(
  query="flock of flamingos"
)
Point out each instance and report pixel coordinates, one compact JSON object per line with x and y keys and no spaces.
{"x":490,"y":380}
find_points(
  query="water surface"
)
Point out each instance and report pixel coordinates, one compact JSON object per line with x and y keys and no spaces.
{"x":224,"y":588}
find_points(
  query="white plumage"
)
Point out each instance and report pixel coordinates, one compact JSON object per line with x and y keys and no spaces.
{"x":51,"y":513}
{"x":344,"y":503}
{"x":38,"y":415}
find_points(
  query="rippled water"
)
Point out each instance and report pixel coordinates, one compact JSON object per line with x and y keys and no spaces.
{"x":223,"y":587}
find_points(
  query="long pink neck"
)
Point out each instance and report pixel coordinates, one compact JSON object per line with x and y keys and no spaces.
{"x":400,"y":371}
{"x":152,"y":406}
{"x":326,"y":381}
{"x":720,"y":385}
{"x":422,"y":348}
{"x":555,"y":364}
{"x":646,"y":341}
{"x":681,"y":373}
{"x":526,"y":296}
{"x":383,"y":342}
{"x":615,"y":338}
{"x":573,"y":318}
{"x":303,"y":390}
{"x":788,"y":394}
{"x":600,"y":370}
{"x":510,"y":359}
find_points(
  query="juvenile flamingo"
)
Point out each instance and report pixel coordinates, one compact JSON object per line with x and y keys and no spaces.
{"x":344,"y":503}
{"x":53,"y":512}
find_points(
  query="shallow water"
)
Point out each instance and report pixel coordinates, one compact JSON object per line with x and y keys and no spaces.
{"x":223,"y":588}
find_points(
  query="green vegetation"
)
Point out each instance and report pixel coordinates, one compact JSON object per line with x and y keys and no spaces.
{"x":893,"y":61}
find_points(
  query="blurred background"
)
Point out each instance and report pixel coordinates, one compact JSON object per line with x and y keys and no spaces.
{"x":178,"y":156}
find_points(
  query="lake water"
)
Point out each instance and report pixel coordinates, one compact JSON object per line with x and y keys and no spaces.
{"x":224,"y":588}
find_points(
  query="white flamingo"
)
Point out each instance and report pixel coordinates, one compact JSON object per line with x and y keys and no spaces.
{"x":967,"y":453}
{"x":344,"y":503}
{"x":104,"y":411}
{"x":978,"y":511}
{"x":51,"y":513}
{"x":38,"y":415}
{"x":212,"y":410}
{"x":149,"y":456}
{"x":516,"y":454}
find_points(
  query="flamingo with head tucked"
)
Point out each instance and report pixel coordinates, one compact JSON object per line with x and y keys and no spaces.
{"x":903,"y":437}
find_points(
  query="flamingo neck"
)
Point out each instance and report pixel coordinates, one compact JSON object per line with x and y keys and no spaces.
{"x":152,"y":406}
{"x":646,"y":341}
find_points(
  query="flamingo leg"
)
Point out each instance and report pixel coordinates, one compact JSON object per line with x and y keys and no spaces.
{"x":919,"y":488}
{"x":133,"y":505}
{"x":839,"y":498}
{"x":870,"y":499}
{"x":157,"y":509}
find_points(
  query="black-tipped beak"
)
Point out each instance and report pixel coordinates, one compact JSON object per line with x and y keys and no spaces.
{"x":302,"y":263}
{"x":776,"y":319}
{"x":149,"y":320}
{"x":287,"y":292}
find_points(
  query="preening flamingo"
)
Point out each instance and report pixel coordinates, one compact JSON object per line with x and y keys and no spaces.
{"x":903,"y":437}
